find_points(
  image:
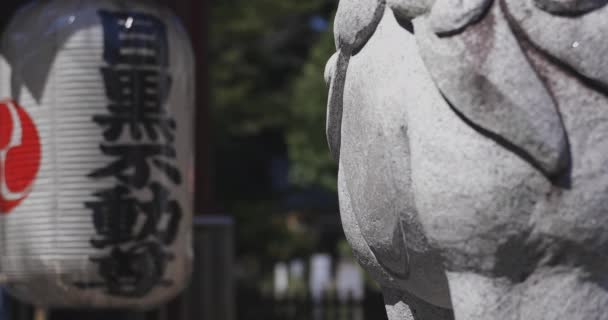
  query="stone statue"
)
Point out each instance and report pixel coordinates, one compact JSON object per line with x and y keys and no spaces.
{"x":472,"y":140}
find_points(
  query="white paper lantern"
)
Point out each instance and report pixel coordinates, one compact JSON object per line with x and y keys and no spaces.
{"x":96,"y":147}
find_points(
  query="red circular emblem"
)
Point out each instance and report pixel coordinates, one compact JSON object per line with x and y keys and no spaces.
{"x":19,"y":155}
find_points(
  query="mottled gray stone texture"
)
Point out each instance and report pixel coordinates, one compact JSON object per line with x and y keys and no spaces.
{"x":472,"y":141}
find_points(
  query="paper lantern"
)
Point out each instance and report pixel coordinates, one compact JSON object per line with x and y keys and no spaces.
{"x":96,"y":154}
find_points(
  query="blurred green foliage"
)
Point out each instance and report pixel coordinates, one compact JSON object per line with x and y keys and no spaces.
{"x":268,"y":100}
{"x":310,"y":161}
{"x":256,"y":49}
{"x":264,"y":76}
{"x":267,"y":103}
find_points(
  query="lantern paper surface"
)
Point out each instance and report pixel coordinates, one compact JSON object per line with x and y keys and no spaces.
{"x":96,"y":154}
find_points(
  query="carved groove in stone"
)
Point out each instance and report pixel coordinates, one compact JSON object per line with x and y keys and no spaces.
{"x":570,"y":7}
{"x":449,"y":16}
{"x":335,"y":74}
{"x":579,"y":43}
{"x":484,"y":74}
{"x":410,"y":9}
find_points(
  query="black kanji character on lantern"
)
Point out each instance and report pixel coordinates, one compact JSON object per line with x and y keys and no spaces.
{"x":139,"y":136}
{"x":114,"y":216}
{"x":132,"y":272}
{"x":162,"y":216}
{"x":135,"y":159}
{"x":134,"y":39}
{"x":137,"y":99}
{"x":116,"y":213}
